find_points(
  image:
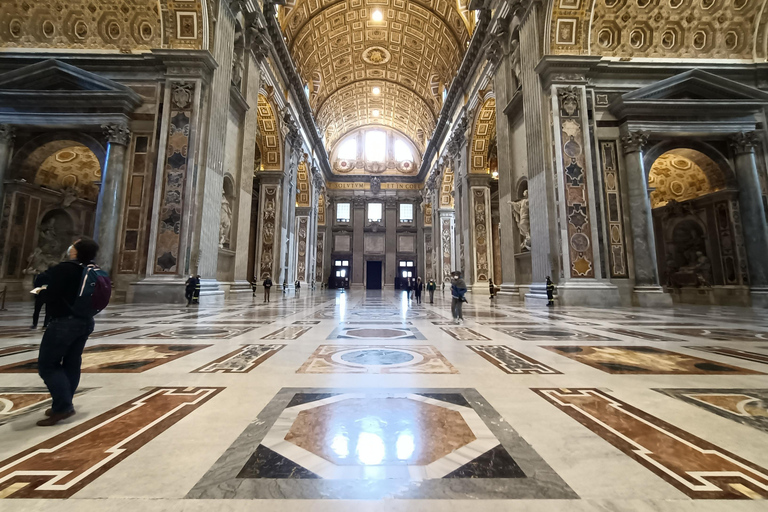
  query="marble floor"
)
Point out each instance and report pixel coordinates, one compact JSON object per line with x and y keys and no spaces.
{"x":364,"y":401}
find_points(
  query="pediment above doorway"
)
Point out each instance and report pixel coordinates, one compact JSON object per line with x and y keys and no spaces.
{"x":694,"y":93}
{"x":52,"y":86}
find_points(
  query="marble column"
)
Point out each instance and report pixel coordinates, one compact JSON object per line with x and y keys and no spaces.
{"x":358,"y":247}
{"x":302,"y":223}
{"x":419,"y":271}
{"x":6,"y":144}
{"x":479,"y":239}
{"x":390,"y":227}
{"x":753,"y":218}
{"x":647,"y":291}
{"x":111,"y":193}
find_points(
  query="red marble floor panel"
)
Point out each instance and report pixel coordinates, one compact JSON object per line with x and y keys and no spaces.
{"x":64,"y":464}
{"x":694,"y":466}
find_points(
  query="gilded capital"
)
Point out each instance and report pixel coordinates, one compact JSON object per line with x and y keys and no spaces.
{"x":634,"y":142}
{"x":744,"y":142}
{"x":7,"y":133}
{"x":117,"y":133}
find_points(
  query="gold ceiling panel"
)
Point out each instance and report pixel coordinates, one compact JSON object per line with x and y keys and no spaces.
{"x":269,"y":140}
{"x":338,"y":47}
{"x":302,"y":184}
{"x":354,"y":105}
{"x":483,"y":135}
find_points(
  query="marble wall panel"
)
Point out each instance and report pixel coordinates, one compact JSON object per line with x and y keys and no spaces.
{"x":481,"y":228}
{"x":268,"y":232}
{"x":614,"y":213}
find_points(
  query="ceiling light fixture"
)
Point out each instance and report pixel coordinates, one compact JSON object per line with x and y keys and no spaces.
{"x":376,"y":90}
{"x":377,"y":16}
{"x":375,"y":113}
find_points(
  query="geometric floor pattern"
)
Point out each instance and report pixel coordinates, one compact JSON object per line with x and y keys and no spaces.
{"x":330,"y":398}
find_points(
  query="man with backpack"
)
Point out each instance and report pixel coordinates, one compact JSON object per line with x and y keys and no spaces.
{"x":77,"y":290}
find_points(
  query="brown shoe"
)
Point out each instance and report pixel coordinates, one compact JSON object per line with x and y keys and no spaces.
{"x":49,"y":411}
{"x":54,"y":418}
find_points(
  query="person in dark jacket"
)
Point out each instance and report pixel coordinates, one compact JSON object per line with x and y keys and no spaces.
{"x":550,"y":293}
{"x":297,"y":287}
{"x":189,"y":289}
{"x":458,"y":290}
{"x":196,"y":295}
{"x":431,"y":287}
{"x":418,"y":288}
{"x":267,"y":286}
{"x":39,"y":281}
{"x":61,"y":349}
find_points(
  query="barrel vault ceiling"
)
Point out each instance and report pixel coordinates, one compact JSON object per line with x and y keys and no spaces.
{"x":345,"y":57}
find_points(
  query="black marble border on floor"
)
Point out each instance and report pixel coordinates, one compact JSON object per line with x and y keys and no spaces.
{"x":221,"y":480}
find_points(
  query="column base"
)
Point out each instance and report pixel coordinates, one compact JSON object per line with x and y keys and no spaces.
{"x":759,"y":297}
{"x":537,"y":296}
{"x":651,"y":297}
{"x":598,"y":294}
{"x":239,"y":289}
{"x":509,"y":289}
{"x":170,"y":290}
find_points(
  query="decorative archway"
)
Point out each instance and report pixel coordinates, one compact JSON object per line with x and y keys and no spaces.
{"x":303,"y":189}
{"x":483,"y":133}
{"x":269,"y":140}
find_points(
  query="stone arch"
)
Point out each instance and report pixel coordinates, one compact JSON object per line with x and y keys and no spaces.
{"x":726,"y":29}
{"x":483,"y":133}
{"x":717,"y":167}
{"x":27,"y":160}
{"x":682,"y":174}
{"x":269,"y":141}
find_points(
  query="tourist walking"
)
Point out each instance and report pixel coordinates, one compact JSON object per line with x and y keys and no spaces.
{"x":297,"y":286}
{"x":41,"y":282}
{"x":550,"y":293}
{"x":75,"y":288}
{"x":254,"y":286}
{"x":431,"y":287}
{"x":418,"y":288}
{"x":196,"y":295}
{"x":458,"y":290}
{"x":189,"y":289}
{"x":492,"y":288}
{"x":267,"y":286}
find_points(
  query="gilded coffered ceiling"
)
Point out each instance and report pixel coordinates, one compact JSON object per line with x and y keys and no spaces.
{"x":730,"y":29}
{"x":75,"y":168}
{"x":362,"y":70}
{"x":683,"y":174}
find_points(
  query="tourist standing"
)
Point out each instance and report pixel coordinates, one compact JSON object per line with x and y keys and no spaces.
{"x":61,"y":349}
{"x":254,"y":285}
{"x":431,"y":287}
{"x":196,"y":297}
{"x":492,"y":288}
{"x":418,"y":289}
{"x":267,"y":286}
{"x":41,"y":282}
{"x":550,"y":293}
{"x":189,"y":289}
{"x":458,"y":290}
{"x":297,"y":286}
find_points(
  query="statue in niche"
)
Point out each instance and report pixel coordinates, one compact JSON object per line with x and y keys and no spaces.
{"x":238,"y":57}
{"x":225,"y":225}
{"x":523,"y":220}
{"x":514,"y":48}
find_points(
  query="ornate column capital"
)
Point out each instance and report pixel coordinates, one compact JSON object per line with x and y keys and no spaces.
{"x":744,"y":142}
{"x":634,"y":142}
{"x":257,"y":38}
{"x":7,"y":133}
{"x":358,"y":202}
{"x":117,"y":133}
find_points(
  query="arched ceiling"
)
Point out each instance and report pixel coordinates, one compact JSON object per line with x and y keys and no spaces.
{"x":342,"y":53}
{"x":722,"y":29}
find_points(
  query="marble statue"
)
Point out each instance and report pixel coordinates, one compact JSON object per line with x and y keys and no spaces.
{"x":520,"y":211}
{"x":225,"y":225}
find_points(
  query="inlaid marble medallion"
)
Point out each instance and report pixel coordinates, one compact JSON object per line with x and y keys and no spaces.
{"x":118,"y":358}
{"x":647,"y":360}
{"x":18,"y":349}
{"x":19,"y":401}
{"x":392,"y":332}
{"x":746,"y":406}
{"x":353,"y":444}
{"x":197,"y":333}
{"x":548,"y":333}
{"x":511,"y":361}
{"x":64,"y":464}
{"x":287,"y":333}
{"x":242,"y":360}
{"x":746,"y":355}
{"x":377,"y":359}
{"x":694,"y":466}
{"x":464,"y":334}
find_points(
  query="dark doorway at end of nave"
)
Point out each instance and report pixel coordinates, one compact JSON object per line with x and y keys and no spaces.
{"x":373,"y":273}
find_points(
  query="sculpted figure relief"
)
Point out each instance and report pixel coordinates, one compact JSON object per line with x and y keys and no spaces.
{"x":520,"y":211}
{"x":225,"y":225}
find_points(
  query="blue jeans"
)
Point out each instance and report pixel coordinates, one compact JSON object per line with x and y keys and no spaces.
{"x":60,"y":358}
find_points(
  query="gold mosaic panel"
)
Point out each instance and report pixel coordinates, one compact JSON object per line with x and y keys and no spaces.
{"x":484,"y":133}
{"x":302,"y":185}
{"x":270,"y":140}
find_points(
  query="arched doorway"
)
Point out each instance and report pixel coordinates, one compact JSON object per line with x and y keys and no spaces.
{"x":699,"y":244}
{"x":50,"y":201}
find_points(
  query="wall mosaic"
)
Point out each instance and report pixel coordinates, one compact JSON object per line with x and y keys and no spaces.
{"x":484,"y":135}
{"x":724,"y":29}
{"x":481,"y":227}
{"x":174,"y":182}
{"x":270,"y":141}
{"x":614,"y":208}
{"x":428,"y":255}
{"x":574,"y":181}
{"x":319,"y":253}
{"x":301,"y":263}
{"x":447,"y":249}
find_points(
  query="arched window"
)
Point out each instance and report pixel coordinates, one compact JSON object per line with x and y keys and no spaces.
{"x":348,"y":149}
{"x":403,"y":152}
{"x":376,"y":146}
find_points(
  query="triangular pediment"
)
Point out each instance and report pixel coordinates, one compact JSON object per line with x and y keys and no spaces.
{"x":55,"y":75}
{"x":697,"y":84}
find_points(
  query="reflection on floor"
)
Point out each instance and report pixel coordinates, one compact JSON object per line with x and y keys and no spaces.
{"x":367,"y":396}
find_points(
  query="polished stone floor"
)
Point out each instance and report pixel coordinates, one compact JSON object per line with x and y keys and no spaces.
{"x":364,"y":401}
